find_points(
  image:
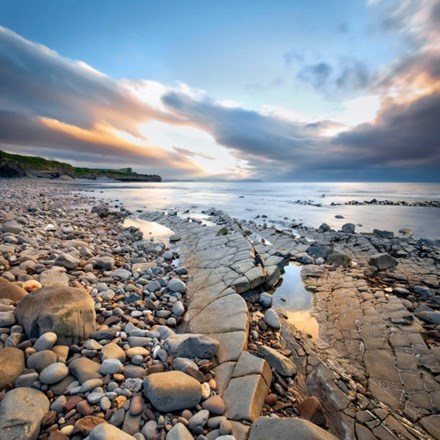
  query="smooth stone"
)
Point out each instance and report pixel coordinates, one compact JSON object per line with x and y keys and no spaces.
{"x":215,"y":405}
{"x":90,"y":385}
{"x":54,"y":373}
{"x":265,"y":299}
{"x":11,"y":291}
{"x":11,"y":365}
{"x":176,"y":285}
{"x":41,"y":359}
{"x":84,"y":369}
{"x":58,"y":404}
{"x":121,"y":274}
{"x":136,"y":405}
{"x":134,"y":372}
{"x":178,"y":309}
{"x":111,"y":366}
{"x":198,"y":419}
{"x":150,"y":430}
{"x":45,"y":341}
{"x":272,"y":319}
{"x":26,"y":380}
{"x":179,"y":432}
{"x":7,"y":319}
{"x":105,"y":431}
{"x":68,"y":261}
{"x":21,"y":413}
{"x":172,"y":391}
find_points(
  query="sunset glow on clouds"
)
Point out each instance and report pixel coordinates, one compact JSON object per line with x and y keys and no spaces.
{"x":346,"y":118}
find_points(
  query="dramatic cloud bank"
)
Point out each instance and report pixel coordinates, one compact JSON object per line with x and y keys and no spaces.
{"x":57,"y":107}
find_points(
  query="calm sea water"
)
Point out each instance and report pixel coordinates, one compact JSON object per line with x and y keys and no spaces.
{"x":246,"y":200}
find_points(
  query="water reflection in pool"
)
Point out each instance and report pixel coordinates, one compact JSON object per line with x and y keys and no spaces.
{"x":295,"y":301}
{"x":150,"y":229}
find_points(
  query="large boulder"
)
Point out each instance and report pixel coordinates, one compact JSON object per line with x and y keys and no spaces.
{"x":69,"y":312}
{"x":21,"y":412}
{"x":286,"y":429}
{"x":11,"y":365}
{"x":11,"y":291}
{"x":172,"y":391}
{"x":382,"y":261}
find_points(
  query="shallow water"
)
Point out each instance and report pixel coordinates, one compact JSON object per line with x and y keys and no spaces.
{"x":246,"y":200}
{"x":295,"y":301}
{"x":150,"y":229}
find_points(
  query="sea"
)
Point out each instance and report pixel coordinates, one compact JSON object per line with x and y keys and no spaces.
{"x":280,"y":202}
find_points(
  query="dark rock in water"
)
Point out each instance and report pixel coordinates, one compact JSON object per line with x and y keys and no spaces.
{"x":69,"y":312}
{"x":383,"y":234}
{"x":348,"y":228}
{"x":383,"y":261}
{"x":265,"y":428}
{"x":11,"y":365}
{"x":324,"y":228}
{"x":339,"y":216}
{"x":11,"y":291}
{"x":21,"y":413}
{"x":319,"y":250}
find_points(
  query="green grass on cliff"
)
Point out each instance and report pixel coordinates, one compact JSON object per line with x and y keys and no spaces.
{"x":38,"y":163}
{"x":34,"y":163}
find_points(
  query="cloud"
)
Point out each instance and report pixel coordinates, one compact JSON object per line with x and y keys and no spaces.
{"x":316,"y":74}
{"x":401,"y":138}
{"x":346,"y":76}
{"x":402,"y":135}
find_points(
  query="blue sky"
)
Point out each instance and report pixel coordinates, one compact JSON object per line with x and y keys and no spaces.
{"x":307,"y":73}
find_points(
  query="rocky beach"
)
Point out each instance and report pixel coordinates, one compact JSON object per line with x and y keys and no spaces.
{"x":109,"y":333}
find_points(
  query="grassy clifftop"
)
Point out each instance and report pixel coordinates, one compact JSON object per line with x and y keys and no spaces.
{"x":15,"y":165}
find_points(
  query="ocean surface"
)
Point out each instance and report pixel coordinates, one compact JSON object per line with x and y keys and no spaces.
{"x":246,"y":200}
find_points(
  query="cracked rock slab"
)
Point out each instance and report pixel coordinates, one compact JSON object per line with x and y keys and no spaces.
{"x":287,"y":429}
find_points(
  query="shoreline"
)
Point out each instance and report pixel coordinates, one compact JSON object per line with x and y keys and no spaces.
{"x":248,"y":327}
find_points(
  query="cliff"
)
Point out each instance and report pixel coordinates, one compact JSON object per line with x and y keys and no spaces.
{"x":14,"y":165}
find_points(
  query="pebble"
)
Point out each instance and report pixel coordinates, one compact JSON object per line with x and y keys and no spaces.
{"x":54,"y":373}
{"x":111,"y":366}
{"x":46,"y":341}
{"x":176,"y":285}
{"x":272,"y":319}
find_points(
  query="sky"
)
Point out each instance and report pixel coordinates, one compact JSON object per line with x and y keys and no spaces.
{"x":305,"y":90}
